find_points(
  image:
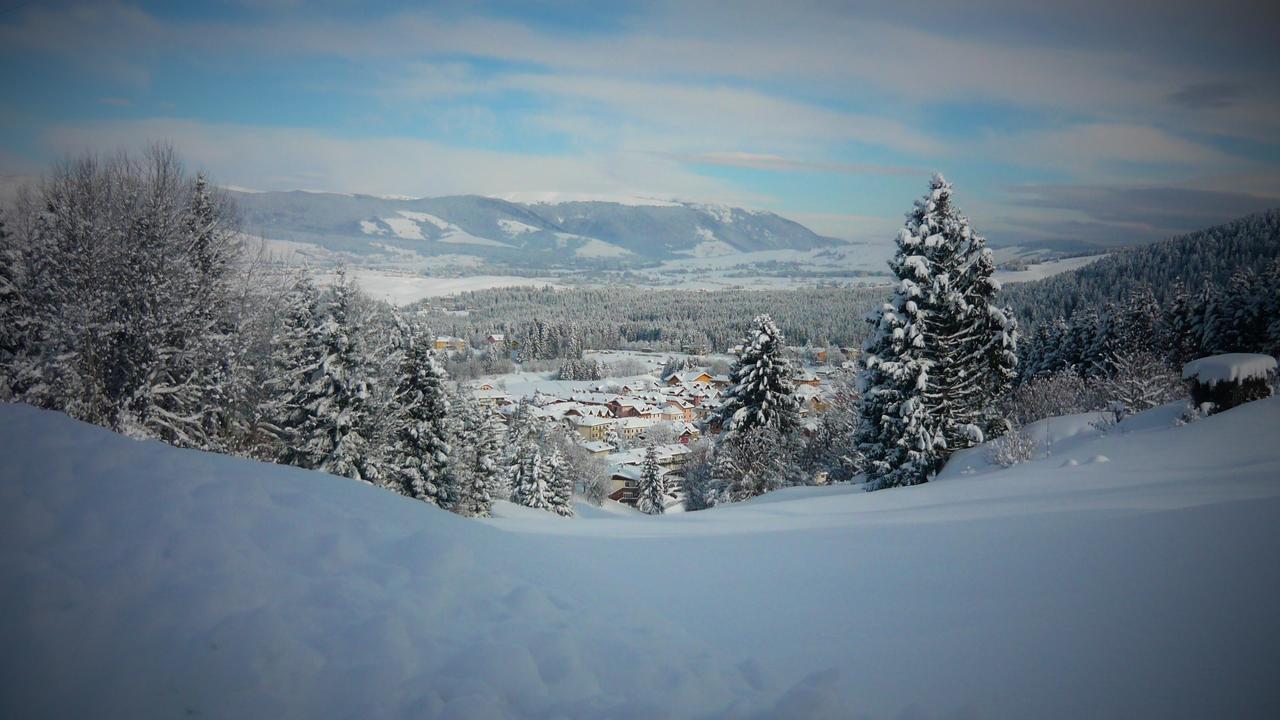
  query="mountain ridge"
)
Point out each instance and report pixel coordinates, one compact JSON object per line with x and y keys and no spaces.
{"x":568,"y":232}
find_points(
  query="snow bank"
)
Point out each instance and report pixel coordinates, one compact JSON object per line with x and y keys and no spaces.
{"x":138,"y":580}
{"x":1231,"y":367}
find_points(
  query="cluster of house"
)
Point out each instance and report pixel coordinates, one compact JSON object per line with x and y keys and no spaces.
{"x":615,"y":419}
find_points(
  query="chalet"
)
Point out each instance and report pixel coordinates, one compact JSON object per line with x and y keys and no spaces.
{"x":495,"y":339}
{"x":720,"y":381}
{"x":807,"y":378}
{"x":625,"y":407}
{"x":688,"y":433}
{"x":690,"y":376}
{"x":624,"y":484}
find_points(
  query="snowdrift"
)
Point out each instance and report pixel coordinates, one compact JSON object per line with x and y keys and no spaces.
{"x":137,"y":580}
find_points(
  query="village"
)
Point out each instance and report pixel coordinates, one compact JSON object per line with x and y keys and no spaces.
{"x":617,"y":419}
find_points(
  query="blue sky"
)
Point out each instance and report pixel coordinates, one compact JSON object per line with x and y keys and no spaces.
{"x":1095,"y":120}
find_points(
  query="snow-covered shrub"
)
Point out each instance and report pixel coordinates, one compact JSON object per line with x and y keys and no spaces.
{"x":1140,"y":381}
{"x":1011,"y":448}
{"x":1062,"y":393}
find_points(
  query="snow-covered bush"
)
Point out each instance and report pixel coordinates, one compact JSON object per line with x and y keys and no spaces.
{"x":1140,"y":381}
{"x":1011,"y":448}
{"x":1065,"y":392}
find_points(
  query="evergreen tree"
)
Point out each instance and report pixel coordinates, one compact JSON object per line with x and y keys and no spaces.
{"x":530,"y":486}
{"x":14,"y":316}
{"x":343,"y":408}
{"x":761,"y":393}
{"x":940,"y":351}
{"x":559,"y":483}
{"x":653,"y":487}
{"x":419,"y":464}
{"x":476,"y":460}
{"x":289,"y":408}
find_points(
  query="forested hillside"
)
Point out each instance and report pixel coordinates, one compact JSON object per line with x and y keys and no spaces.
{"x":1212,"y":255}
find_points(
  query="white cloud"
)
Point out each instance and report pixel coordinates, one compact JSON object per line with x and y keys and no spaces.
{"x":272,"y":158}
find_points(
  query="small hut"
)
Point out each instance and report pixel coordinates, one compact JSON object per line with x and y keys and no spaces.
{"x":1225,"y":381}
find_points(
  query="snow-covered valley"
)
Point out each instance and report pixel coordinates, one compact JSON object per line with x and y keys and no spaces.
{"x":1127,"y":575}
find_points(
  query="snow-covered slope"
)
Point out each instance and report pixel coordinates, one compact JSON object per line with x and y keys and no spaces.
{"x":138,"y":580}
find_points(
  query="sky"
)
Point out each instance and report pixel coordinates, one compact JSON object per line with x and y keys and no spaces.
{"x":1089,"y":120}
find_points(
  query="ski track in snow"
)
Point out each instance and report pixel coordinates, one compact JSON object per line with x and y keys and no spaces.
{"x":138,"y":580}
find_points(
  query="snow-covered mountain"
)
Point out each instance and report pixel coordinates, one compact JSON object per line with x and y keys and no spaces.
{"x":539,"y":234}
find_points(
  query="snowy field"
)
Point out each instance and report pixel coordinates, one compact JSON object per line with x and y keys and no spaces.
{"x":1049,"y":268}
{"x":1130,"y":575}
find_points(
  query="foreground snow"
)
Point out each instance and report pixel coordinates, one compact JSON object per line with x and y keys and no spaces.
{"x":138,"y":580}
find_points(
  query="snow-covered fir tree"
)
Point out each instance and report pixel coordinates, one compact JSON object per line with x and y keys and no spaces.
{"x":419,"y":459}
{"x":290,"y":405}
{"x":761,"y":392}
{"x":559,"y":483}
{"x":14,"y":315}
{"x":653,"y":486}
{"x":530,"y":485}
{"x":476,"y":459}
{"x":321,"y":410}
{"x":941,"y":351}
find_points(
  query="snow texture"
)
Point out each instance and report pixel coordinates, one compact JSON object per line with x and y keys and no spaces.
{"x":139,"y":580}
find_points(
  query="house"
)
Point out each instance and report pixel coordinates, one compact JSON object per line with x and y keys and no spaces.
{"x":689,"y":376}
{"x":688,"y":433}
{"x":684,"y":406}
{"x":624,"y":485}
{"x":493,"y":398}
{"x":633,"y":427}
{"x":597,"y":447}
{"x":495,"y":339}
{"x":591,"y":428}
{"x":625,"y":407}
{"x":450,"y":343}
{"x":720,"y":381}
{"x":806,"y":378}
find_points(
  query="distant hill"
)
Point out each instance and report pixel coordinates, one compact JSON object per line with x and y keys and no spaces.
{"x":533,"y":234}
{"x":1211,"y":255}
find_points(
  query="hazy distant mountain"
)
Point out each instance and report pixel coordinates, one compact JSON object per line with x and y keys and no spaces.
{"x":535,"y":234}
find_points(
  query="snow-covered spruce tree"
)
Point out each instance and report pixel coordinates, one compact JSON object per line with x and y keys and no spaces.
{"x":940,"y":350}
{"x":341,"y":389}
{"x":476,"y":459}
{"x":653,"y":487}
{"x":529,"y":482}
{"x":761,"y":393}
{"x":14,"y":316}
{"x":289,"y":410}
{"x":419,"y":458}
{"x":749,"y":463}
{"x":559,"y":482}
{"x":990,"y":337}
